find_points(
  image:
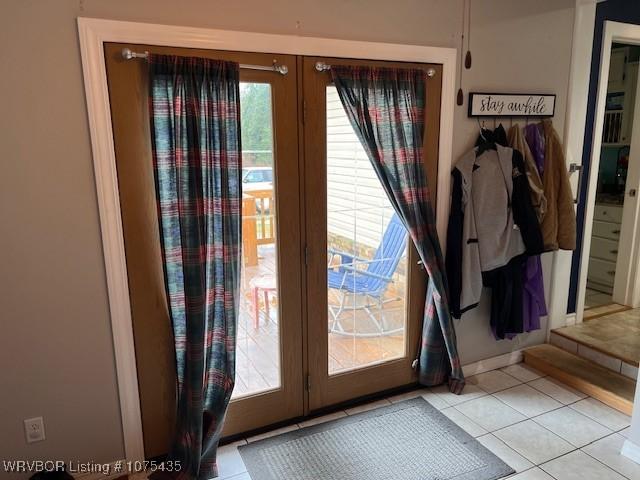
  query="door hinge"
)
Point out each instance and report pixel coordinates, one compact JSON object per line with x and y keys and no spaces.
{"x":306,"y":255}
{"x":307,"y":383}
{"x":304,"y":112}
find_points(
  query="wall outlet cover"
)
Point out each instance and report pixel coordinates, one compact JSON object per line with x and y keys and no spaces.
{"x":34,"y":429}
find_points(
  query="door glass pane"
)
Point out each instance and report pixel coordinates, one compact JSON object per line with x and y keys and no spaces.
{"x":258,"y":335}
{"x":366,"y":254}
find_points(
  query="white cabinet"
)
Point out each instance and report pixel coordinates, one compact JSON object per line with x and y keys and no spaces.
{"x":607,"y":223}
{"x":608,"y":213}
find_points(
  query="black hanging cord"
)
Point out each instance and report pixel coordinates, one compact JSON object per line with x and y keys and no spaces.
{"x":467,"y":59}
{"x":460,"y":96}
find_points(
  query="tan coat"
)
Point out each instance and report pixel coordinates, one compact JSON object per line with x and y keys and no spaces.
{"x":517,"y":142}
{"x":559,"y":222}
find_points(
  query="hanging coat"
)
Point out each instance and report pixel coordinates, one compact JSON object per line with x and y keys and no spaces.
{"x":533,"y":300}
{"x":481,"y":233}
{"x":517,"y":142}
{"x":559,"y":223}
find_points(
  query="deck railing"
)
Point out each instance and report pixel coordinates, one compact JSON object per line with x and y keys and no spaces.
{"x":258,"y":222}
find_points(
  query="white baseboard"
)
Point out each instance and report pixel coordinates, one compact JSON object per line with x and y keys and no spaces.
{"x":493,"y":363}
{"x":631,"y":451}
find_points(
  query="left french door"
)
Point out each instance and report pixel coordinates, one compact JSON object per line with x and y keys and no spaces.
{"x":269,"y":370}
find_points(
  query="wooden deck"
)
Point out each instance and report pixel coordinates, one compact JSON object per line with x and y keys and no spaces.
{"x":258,"y":353}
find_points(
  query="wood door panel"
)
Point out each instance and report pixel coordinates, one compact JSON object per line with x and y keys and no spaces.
{"x":328,"y":389}
{"x":153,"y":336}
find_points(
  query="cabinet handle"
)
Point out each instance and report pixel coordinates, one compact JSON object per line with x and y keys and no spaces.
{"x":611,"y":272}
{"x":617,"y":232}
{"x":614,"y":251}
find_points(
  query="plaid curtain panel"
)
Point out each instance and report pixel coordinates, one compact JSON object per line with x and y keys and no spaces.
{"x":386,"y":108}
{"x":195,"y":128}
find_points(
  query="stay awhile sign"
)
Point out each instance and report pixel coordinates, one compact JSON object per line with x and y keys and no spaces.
{"x":511,"y":105}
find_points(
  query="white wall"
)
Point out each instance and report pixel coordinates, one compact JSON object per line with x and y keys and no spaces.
{"x":55,"y":340}
{"x":516,"y":46}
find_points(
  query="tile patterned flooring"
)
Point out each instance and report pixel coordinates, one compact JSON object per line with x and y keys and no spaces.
{"x":601,"y":310}
{"x":594,"y":298}
{"x":542,"y":428}
{"x":616,"y":335}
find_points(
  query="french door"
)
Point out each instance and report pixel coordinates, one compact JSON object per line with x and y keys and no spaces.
{"x":363,"y":328}
{"x":269,"y":370}
{"x":308,"y":335}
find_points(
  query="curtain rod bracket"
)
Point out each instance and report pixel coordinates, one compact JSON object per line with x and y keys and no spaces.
{"x":281,"y":69}
{"x":128,"y":54}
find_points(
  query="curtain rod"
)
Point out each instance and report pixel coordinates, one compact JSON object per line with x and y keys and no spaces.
{"x":323,"y":67}
{"x":128,"y":54}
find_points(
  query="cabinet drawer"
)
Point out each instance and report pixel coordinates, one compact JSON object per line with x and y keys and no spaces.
{"x":601,"y":271}
{"x":608,"y":213}
{"x":606,"y":230}
{"x":604,"y":249}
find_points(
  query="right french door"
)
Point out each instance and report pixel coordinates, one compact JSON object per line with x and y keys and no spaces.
{"x":365,"y":287}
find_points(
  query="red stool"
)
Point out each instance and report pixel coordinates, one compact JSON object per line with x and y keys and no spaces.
{"x":266,"y":284}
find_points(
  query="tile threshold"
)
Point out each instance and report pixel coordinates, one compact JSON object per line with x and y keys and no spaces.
{"x":562,"y":333}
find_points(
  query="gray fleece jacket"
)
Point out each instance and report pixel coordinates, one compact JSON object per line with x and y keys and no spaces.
{"x":490,"y":237}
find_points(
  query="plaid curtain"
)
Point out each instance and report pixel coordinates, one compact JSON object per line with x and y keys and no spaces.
{"x":386,"y":108}
{"x":195,"y":128}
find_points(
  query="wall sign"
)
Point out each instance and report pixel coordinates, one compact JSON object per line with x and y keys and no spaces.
{"x":511,"y":105}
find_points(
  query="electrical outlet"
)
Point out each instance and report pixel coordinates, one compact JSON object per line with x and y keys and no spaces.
{"x":34,"y":429}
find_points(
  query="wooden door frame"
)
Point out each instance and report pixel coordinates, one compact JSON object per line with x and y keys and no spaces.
{"x":626,"y":291}
{"x":93,"y":33}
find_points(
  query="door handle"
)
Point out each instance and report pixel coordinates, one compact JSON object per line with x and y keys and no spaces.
{"x":574,"y":167}
{"x":632,"y":192}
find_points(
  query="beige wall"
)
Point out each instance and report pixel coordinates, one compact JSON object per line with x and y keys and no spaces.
{"x":55,"y":341}
{"x":524,"y":48}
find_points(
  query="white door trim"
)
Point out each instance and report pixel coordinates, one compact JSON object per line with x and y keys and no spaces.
{"x":93,"y":34}
{"x":626,"y":278}
{"x":577,"y":99}
{"x":613,"y":32}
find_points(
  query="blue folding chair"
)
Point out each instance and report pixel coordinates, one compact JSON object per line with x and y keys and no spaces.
{"x":370,"y":282}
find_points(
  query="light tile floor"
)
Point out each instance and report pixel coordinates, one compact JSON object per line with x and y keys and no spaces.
{"x":542,"y":428}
